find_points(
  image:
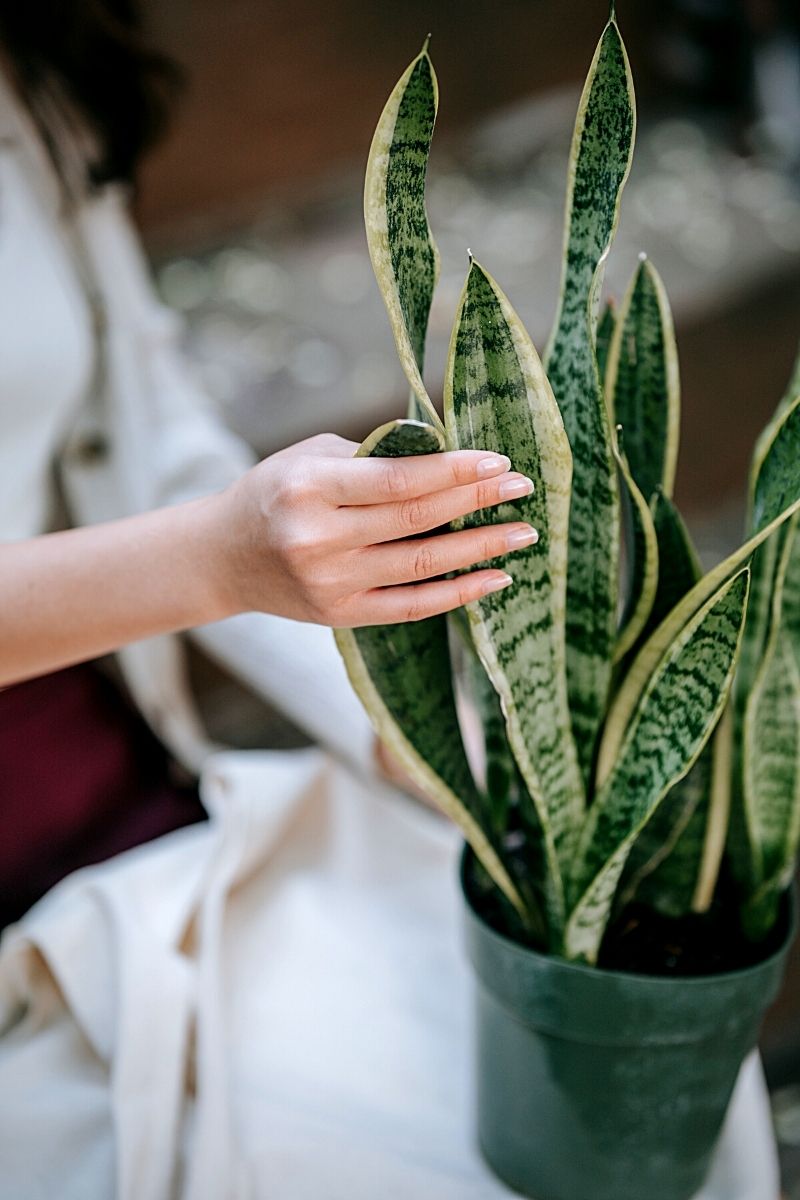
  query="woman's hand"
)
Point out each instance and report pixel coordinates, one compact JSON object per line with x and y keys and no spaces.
{"x":311,"y":533}
{"x":318,"y":535}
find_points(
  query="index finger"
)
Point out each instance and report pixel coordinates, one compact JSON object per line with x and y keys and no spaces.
{"x":356,"y":481}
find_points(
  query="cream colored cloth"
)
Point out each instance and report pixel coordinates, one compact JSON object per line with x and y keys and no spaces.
{"x":275,"y":1006}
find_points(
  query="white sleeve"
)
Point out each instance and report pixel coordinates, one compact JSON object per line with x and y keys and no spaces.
{"x":295,"y":666}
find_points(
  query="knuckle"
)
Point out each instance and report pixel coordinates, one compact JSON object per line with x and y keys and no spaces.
{"x":491,"y":545}
{"x":465,"y":591}
{"x":295,"y":489}
{"x":459,"y":471}
{"x":398,"y":479}
{"x":411,"y":514}
{"x":321,"y":441}
{"x":423,"y":563}
{"x":416,"y":609}
{"x":485,"y":493}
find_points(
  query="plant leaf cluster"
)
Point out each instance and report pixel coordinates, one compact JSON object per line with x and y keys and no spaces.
{"x":641,"y":719}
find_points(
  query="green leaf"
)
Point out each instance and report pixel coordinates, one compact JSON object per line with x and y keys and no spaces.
{"x":764,"y":564}
{"x":402,"y":675}
{"x":643,"y":384}
{"x":404,"y":255}
{"x":717,"y":814}
{"x":771,"y":759}
{"x":679,"y":566}
{"x":777,"y":499}
{"x":499,"y":766}
{"x":666,"y":860}
{"x":599,"y":164}
{"x":671,"y":724}
{"x":683,"y":878}
{"x":497,"y":397}
{"x":641,"y":554}
{"x":662,"y":867}
{"x":605,"y":332}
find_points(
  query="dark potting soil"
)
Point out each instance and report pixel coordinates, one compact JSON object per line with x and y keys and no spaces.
{"x":643,"y":942}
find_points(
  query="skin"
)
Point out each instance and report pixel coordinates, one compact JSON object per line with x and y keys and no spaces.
{"x":310,"y":533}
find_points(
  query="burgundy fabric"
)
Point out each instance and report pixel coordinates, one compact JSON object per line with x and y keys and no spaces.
{"x":81,"y":779}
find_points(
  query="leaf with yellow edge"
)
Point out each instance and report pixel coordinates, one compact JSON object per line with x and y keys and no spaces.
{"x":401,"y":246}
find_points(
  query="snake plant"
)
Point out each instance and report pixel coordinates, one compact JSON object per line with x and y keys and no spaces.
{"x":641,"y":719}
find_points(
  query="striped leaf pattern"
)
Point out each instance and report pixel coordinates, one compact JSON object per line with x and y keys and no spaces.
{"x":764,"y":568}
{"x":679,"y":876}
{"x":682,"y":876}
{"x":404,"y":256}
{"x":692,"y":679}
{"x":539,"y":656}
{"x":679,"y":566}
{"x":662,"y":868}
{"x":605,"y":332}
{"x":643,"y":384}
{"x":771,"y":755}
{"x":777,"y":498}
{"x":641,"y":555}
{"x":664,"y":862}
{"x":402,"y":675}
{"x":497,"y":397}
{"x":599,"y":163}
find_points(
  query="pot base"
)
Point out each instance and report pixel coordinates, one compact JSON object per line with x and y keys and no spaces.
{"x":601,"y":1085}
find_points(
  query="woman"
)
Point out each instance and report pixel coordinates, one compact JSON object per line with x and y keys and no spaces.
{"x":92,"y":389}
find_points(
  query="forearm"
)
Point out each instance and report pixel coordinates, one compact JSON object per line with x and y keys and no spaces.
{"x":67,"y":597}
{"x":311,"y":533}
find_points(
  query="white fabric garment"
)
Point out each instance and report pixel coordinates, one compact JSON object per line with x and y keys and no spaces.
{"x":46,"y":350}
{"x":142,"y":435}
{"x":273,"y":1006}
{"x":298,"y":964}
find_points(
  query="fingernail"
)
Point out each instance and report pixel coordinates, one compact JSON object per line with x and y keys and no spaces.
{"x":515,"y":487}
{"x":493,"y":465}
{"x":496,"y":584}
{"x":522,"y":537}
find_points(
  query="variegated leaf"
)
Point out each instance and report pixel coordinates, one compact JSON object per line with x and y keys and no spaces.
{"x":402,"y":675}
{"x":777,"y":498}
{"x":715,"y":829}
{"x":679,"y":566}
{"x":642,"y":382}
{"x":599,"y":164}
{"x":662,"y":867}
{"x":496,"y":772}
{"x":669,"y":728}
{"x":497,"y":397}
{"x":684,"y":877}
{"x":771,"y":760}
{"x":605,"y":332}
{"x":641,"y":555}
{"x":665,"y":861}
{"x":764,"y":564}
{"x":401,"y":246}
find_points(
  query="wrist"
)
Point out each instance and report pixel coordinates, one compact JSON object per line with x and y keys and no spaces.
{"x":217,"y":557}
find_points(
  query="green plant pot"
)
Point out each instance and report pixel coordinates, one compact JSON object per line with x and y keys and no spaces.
{"x":600,"y":1085}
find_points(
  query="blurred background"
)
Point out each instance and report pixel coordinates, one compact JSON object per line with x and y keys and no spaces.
{"x":251,"y":211}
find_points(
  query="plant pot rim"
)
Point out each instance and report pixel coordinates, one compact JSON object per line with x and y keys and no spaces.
{"x":516,"y":949}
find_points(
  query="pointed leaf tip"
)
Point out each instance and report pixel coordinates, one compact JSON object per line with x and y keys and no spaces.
{"x":642,"y":256}
{"x":426,"y":44}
